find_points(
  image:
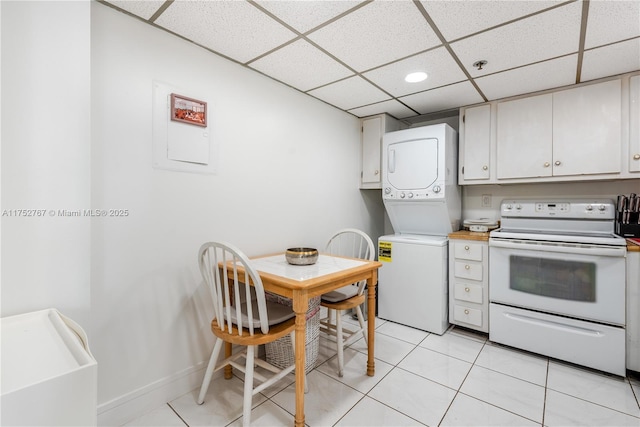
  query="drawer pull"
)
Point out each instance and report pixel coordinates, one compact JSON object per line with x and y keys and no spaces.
{"x":466,"y":312}
{"x":466,"y":248}
{"x":467,"y":289}
{"x":466,"y":267}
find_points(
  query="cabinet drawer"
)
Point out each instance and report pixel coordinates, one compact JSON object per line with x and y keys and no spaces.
{"x":468,"y":292}
{"x":468,"y":270}
{"x":468,"y":315}
{"x":471,"y":251}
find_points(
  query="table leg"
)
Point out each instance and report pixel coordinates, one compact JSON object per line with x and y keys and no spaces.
{"x":300,"y":306}
{"x":371,"y":321}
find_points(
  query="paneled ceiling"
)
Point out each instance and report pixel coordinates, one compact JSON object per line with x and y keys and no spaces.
{"x":355,"y":55}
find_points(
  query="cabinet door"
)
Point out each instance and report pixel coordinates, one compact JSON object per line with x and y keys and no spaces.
{"x":634,"y":123}
{"x":524,"y":137}
{"x":587,"y":129}
{"x":477,"y":143}
{"x":371,"y":146}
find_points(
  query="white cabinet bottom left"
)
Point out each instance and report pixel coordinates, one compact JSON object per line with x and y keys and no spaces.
{"x":48,"y":375}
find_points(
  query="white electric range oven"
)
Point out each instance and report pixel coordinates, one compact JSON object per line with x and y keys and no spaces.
{"x":557,"y":281}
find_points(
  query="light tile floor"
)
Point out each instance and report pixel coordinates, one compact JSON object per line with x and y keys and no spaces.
{"x":457,"y":379}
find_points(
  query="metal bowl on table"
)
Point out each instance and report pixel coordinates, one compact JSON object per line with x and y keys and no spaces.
{"x":301,"y":256}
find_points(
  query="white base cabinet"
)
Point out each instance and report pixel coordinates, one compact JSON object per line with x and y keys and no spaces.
{"x":469,"y":284}
{"x":633,"y":310}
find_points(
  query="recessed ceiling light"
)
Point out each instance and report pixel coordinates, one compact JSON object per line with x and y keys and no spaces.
{"x":415,"y":77}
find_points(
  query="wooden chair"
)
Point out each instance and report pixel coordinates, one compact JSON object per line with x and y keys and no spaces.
{"x":356,"y":244}
{"x":244,"y":317}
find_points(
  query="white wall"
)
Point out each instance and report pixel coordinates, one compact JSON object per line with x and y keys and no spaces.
{"x":287,"y":175}
{"x":45,"y":157}
{"x":78,"y":135}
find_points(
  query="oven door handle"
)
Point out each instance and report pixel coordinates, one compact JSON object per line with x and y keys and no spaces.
{"x":539,"y":246}
{"x":553,"y":325}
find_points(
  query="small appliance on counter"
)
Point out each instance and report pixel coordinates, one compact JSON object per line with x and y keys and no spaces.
{"x":628,"y":215}
{"x":481,"y":225}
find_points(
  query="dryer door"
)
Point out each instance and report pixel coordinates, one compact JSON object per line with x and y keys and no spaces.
{"x":412,"y":164}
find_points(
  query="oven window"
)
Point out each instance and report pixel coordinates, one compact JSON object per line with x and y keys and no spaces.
{"x":569,"y":280}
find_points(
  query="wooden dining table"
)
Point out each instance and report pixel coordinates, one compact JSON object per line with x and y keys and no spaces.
{"x":300,"y":283}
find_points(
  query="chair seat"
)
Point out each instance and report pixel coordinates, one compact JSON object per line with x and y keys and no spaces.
{"x":277,"y":313}
{"x":345,"y":304}
{"x":341,"y":294}
{"x":258,"y":338}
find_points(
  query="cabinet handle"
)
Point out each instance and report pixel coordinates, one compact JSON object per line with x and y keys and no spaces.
{"x":485,"y":167}
{"x":376,"y":172}
{"x":466,"y":312}
{"x":466,"y":248}
{"x":466,"y":289}
{"x":557,"y":163}
{"x":636,"y":157}
{"x":466,"y":267}
{"x":547,"y":164}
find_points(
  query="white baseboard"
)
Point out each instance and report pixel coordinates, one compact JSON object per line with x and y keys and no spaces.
{"x":132,"y":405}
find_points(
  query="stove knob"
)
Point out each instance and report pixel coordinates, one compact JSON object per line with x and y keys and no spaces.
{"x":411,"y":195}
{"x":507,"y":207}
{"x":602,"y":207}
{"x":589,"y":207}
{"x":402,"y":195}
{"x":518,"y":207}
{"x":436,"y":189}
{"x":387,"y":190}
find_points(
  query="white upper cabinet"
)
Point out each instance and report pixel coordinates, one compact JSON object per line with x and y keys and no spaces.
{"x":588,"y":132}
{"x":587,"y":129}
{"x":634,"y":124}
{"x":524,"y":137}
{"x":475,"y":157}
{"x":373,"y":129}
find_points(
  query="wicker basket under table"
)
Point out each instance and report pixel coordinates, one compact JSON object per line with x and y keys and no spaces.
{"x":280,"y":352}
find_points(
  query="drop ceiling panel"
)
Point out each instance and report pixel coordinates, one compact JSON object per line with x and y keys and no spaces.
{"x":392,"y":107}
{"x":610,"y":60}
{"x":235,"y":29}
{"x":306,"y":15}
{"x":377,"y":33}
{"x":302,"y":66}
{"x":444,"y":98}
{"x":456,"y":19}
{"x":438,"y":64}
{"x":350,"y":93}
{"x":543,"y":36}
{"x":143,"y":9}
{"x":354,"y":54}
{"x":611,"y":21}
{"x":532,"y":78}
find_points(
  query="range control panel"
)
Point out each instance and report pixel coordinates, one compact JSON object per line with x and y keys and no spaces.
{"x":575,"y":209}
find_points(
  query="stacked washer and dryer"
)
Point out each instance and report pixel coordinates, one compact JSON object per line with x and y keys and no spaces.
{"x":422,"y":200}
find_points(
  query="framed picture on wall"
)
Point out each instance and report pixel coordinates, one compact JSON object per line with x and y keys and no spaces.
{"x":188,"y":110}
